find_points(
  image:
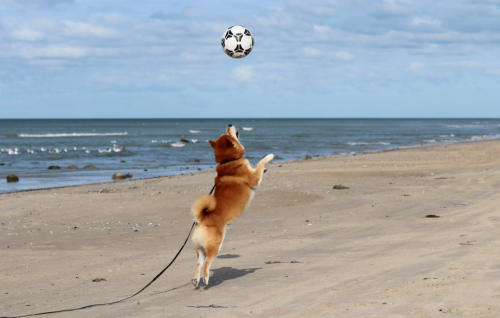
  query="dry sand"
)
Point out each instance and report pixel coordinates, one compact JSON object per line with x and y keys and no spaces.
{"x":302,"y":248}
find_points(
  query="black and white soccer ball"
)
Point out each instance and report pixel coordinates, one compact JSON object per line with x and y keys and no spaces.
{"x":237,"y":41}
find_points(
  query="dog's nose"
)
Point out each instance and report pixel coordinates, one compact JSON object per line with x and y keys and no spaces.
{"x":229,"y":125}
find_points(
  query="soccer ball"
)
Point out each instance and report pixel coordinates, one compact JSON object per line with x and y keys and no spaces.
{"x":237,"y":41}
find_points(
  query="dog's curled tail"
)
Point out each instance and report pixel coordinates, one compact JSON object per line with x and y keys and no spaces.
{"x":203,"y":207}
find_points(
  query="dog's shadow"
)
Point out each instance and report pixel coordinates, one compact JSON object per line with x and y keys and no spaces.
{"x":228,"y":256}
{"x":220,"y":275}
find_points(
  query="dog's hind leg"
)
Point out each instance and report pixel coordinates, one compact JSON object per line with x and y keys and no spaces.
{"x":200,"y":253}
{"x":212,"y":252}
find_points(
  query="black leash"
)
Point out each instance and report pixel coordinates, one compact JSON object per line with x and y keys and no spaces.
{"x":123,"y":299}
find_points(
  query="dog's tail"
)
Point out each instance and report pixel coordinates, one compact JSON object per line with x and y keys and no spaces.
{"x":203,"y":207}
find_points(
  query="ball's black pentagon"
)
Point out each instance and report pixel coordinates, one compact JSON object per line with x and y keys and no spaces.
{"x":238,"y":36}
{"x":247,"y":32}
{"x":222,"y":42}
{"x":239,"y":49}
{"x":248,"y":51}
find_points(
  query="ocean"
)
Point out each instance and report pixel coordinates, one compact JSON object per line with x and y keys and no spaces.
{"x":149,"y":148}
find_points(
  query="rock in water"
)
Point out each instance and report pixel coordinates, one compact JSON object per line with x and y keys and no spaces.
{"x":12,"y":178}
{"x":89,"y":167}
{"x":54,"y":167}
{"x":72,"y":167}
{"x":119,"y":175}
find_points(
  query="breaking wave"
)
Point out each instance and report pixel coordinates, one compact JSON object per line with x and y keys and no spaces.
{"x":364,"y":143}
{"x":74,"y":134}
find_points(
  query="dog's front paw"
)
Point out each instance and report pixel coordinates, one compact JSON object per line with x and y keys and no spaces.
{"x":268,"y":158}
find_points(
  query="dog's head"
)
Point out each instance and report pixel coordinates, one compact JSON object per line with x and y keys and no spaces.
{"x":227,"y":147}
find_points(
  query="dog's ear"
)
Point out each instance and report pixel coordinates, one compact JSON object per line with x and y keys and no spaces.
{"x":212,"y":143}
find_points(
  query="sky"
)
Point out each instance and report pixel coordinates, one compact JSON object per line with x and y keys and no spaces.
{"x":330,"y":58}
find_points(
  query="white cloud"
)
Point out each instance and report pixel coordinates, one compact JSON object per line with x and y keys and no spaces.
{"x":39,"y":3}
{"x":57,"y":51}
{"x":51,"y":64}
{"x":321,"y":11}
{"x":322,"y":32}
{"x":314,"y":8}
{"x":60,"y":51}
{"x":428,"y":49}
{"x":493,"y":71}
{"x":53,"y":31}
{"x":486,"y":67}
{"x":244,"y":73}
{"x":343,"y":55}
{"x":276,"y":19}
{"x":393,"y":8}
{"x":425,"y":21}
{"x":27,"y":34}
{"x":310,"y":51}
{"x":404,"y":38}
{"x":415,"y":67}
{"x":82,"y":29}
{"x":321,"y":28}
{"x":488,"y":1}
{"x":110,"y":18}
{"x":315,"y":52}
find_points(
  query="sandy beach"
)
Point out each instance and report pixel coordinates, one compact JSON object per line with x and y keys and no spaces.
{"x":302,"y":248}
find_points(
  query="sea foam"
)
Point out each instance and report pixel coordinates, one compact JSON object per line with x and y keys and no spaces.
{"x":74,"y":134}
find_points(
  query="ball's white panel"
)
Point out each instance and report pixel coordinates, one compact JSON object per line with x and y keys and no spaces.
{"x":230,"y":43}
{"x":246,"y":42}
{"x":237,"y":29}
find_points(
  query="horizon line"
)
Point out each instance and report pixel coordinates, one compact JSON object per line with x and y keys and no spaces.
{"x":221,"y":118}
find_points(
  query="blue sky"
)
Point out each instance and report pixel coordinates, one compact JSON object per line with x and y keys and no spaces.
{"x":128,"y":58}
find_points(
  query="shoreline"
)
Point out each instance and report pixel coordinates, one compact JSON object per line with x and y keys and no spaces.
{"x":274,"y":161}
{"x":103,"y":183}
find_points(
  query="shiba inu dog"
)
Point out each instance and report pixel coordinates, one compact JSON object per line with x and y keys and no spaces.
{"x":234,"y":188}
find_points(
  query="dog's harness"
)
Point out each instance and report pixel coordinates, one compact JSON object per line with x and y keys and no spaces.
{"x":228,"y":161}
